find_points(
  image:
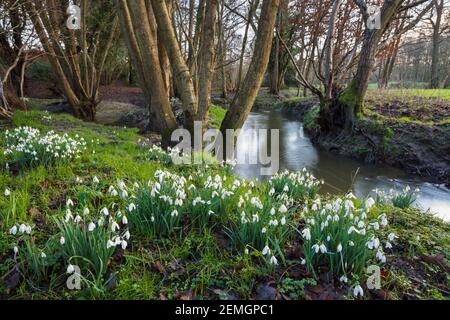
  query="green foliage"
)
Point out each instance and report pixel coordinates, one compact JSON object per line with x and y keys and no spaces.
{"x":216,"y":116}
{"x":311,"y":117}
{"x":295,"y":289}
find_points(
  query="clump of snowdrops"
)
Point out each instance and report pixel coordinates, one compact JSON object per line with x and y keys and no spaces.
{"x":265,"y":223}
{"x":158,"y":154}
{"x":298,"y":185}
{"x":207,"y":202}
{"x":29,"y":147}
{"x":90,"y":236}
{"x":34,"y":262}
{"x":160,"y":206}
{"x":344,"y":236}
{"x":400,"y":199}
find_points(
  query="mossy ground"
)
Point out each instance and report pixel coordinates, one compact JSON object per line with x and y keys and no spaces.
{"x":193,"y":264}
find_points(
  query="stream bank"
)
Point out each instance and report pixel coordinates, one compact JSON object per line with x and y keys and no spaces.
{"x":419,"y":148}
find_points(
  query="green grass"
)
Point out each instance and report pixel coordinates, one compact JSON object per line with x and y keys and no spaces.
{"x":443,"y":94}
{"x":216,"y":116}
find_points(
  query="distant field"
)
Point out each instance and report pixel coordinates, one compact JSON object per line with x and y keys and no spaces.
{"x":443,"y":94}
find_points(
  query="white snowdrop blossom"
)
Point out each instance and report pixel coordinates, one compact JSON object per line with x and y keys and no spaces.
{"x":358,"y":291}
{"x":70,"y":269}
{"x":13,"y":230}
{"x":273,"y":260}
{"x":91,"y":226}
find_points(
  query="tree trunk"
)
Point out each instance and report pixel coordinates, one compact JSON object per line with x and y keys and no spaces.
{"x":439,"y":8}
{"x":243,"y":103}
{"x":343,"y":110}
{"x":136,"y":20}
{"x":206,"y":62}
{"x":183,"y":78}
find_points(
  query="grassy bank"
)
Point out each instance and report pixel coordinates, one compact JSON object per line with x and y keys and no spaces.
{"x":140,"y":227}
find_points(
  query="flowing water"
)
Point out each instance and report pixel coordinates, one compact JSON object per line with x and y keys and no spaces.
{"x":340,"y":174}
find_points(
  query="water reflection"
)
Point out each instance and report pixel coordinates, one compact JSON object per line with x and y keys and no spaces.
{"x":340,"y":174}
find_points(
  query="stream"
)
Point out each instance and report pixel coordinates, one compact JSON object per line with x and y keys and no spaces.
{"x":340,"y":174}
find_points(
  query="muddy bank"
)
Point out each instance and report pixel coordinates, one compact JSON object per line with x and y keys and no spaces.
{"x":417,"y":147}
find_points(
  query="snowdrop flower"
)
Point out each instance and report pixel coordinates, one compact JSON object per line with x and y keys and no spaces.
{"x":283,"y":221}
{"x":7,"y":193}
{"x":77,"y":219}
{"x":392,"y":236}
{"x":127,"y":235}
{"x":358,"y":291}
{"x":303,"y":261}
{"x":351,"y":243}
{"x":273,"y":261}
{"x":343,"y":279}
{"x":105,"y":211}
{"x":272,"y":211}
{"x":380,"y":256}
{"x":351,"y":196}
{"x":323,"y":248}
{"x":286,"y":188}
{"x":43,"y":255}
{"x":69,"y":203}
{"x":114,"y":226}
{"x":174,"y":213}
{"x":306,"y":233}
{"x":246,"y":251}
{"x":124,"y":220}
{"x":110,"y":244}
{"x":264,"y":230}
{"x":86,"y":211}
{"x":13,"y":230}
{"x":131,"y":207}
{"x":70,"y":269}
{"x":114,"y":192}
{"x":124,"y":244}
{"x":266,"y":251}
{"x":22,"y":228}
{"x":122,"y":185}
{"x":282,"y":209}
{"x":91,"y":226}
{"x":95,"y":180}
{"x":210,"y":212}
{"x":388,"y":245}
{"x":339,"y":248}
{"x":62,"y":240}
{"x":370,"y":203}
{"x":124,"y":194}
{"x":272,"y":192}
{"x":16,"y":250}
{"x":316,"y":248}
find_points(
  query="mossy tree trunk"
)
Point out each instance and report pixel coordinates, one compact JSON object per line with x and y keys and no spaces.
{"x":341,"y":111}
